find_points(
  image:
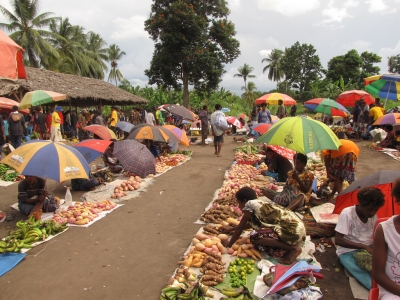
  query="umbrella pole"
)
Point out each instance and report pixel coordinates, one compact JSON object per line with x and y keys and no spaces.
{"x":387,"y":94}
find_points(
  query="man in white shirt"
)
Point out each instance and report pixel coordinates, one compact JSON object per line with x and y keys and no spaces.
{"x":149,"y":117}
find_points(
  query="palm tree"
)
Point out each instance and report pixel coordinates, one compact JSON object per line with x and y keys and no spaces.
{"x":26,"y":26}
{"x":248,"y":95}
{"x":97,"y":54}
{"x":114,"y":54}
{"x":273,"y":66}
{"x":244,"y":72}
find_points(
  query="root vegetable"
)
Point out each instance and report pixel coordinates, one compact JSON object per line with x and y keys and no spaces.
{"x":195,"y":241}
{"x":230,"y":251}
{"x":215,"y":248}
{"x":244,"y":255}
{"x":200,"y":236}
{"x":199,"y":247}
{"x":221,"y":248}
{"x":223,"y":237}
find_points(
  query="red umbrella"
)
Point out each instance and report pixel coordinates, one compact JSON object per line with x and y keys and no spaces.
{"x":383,"y":180}
{"x":349,"y":97}
{"x":11,"y":62}
{"x":102,"y":132}
{"x":7,"y":104}
{"x":135,"y":157}
{"x":273,"y":99}
{"x":234,"y":121}
{"x":282,"y":151}
{"x":261,"y":127}
{"x":92,"y":148}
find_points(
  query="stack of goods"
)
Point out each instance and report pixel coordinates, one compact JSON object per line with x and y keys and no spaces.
{"x":28,"y":233}
{"x":127,"y":186}
{"x":171,"y":160}
{"x":247,"y":159}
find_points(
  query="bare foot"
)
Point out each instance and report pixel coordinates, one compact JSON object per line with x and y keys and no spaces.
{"x":219,"y":155}
{"x":290,"y":256}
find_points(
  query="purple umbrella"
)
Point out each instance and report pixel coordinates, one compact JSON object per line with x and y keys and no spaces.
{"x":135,"y":157}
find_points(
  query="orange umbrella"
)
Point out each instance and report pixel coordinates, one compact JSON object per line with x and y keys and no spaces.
{"x":7,"y":104}
{"x":11,"y":62}
{"x":180,"y":134}
{"x":102,"y":132}
{"x":273,"y":98}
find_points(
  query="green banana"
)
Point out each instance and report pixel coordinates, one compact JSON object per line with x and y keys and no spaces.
{"x":170,"y":288}
{"x":231,"y":292}
{"x":240,"y":297}
{"x":3,"y":244}
{"x":26,"y":246}
{"x":11,"y":248}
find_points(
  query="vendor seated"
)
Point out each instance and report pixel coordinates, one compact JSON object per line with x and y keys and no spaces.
{"x":31,"y":195}
{"x":354,"y":231}
{"x":297,"y":190}
{"x":153,"y":149}
{"x":110,"y":160}
{"x":83,"y":184}
{"x":278,"y":166}
{"x":389,"y":140}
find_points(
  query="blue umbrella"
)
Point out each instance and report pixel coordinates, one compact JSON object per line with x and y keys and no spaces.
{"x":125,"y":126}
{"x":225,"y":109}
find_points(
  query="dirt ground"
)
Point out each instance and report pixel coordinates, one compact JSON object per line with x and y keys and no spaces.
{"x":132,"y":252}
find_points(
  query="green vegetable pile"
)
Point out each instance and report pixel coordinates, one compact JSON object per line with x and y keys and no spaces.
{"x":7,"y":173}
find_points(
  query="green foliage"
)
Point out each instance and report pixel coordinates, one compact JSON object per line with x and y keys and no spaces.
{"x":193,"y":41}
{"x":114,"y":54}
{"x":394,"y":64}
{"x":274,"y":69}
{"x":301,"y":66}
{"x":244,"y":72}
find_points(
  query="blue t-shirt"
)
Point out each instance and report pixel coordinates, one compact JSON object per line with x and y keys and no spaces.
{"x":154,"y":151}
{"x":356,"y":114}
{"x":264,"y":117}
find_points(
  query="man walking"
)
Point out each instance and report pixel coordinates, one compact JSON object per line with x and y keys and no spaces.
{"x":218,"y":126}
{"x":40,"y":122}
{"x":82,"y":123}
{"x":203,"y":115}
{"x":16,"y":126}
{"x":55,"y":126}
{"x":281,"y":110}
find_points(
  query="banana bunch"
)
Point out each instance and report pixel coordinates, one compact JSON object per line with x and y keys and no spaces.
{"x":236,"y":294}
{"x":194,"y":292}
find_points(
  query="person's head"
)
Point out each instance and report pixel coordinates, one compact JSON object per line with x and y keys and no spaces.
{"x":356,"y":103}
{"x":371,"y":105}
{"x":396,"y":190}
{"x":370,"y":200}
{"x":269,"y":153}
{"x":83,"y":111}
{"x":15,"y":108}
{"x":111,"y":147}
{"x":218,"y":106}
{"x":74,"y":112}
{"x":112,"y":107}
{"x":300,"y":161}
{"x":263,"y":106}
{"x":387,"y":127}
{"x":204,"y":107}
{"x":280,"y":102}
{"x":397,"y":133}
{"x":245,"y":194}
{"x":30,"y":179}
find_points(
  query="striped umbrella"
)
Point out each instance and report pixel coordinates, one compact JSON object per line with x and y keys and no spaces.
{"x":180,"y":134}
{"x":387,"y":87}
{"x":135,"y":157}
{"x":149,"y":132}
{"x":40,"y":97}
{"x":300,"y":134}
{"x":326,"y":106}
{"x":273,"y":98}
{"x":391,"y":118}
{"x":48,"y":159}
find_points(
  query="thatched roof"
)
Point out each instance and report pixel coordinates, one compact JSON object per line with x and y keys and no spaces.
{"x":81,"y":91}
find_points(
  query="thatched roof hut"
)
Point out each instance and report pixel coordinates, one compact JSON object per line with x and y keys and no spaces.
{"x":80,"y":91}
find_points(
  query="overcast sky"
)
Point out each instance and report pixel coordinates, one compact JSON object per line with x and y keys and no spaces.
{"x":332,"y":26}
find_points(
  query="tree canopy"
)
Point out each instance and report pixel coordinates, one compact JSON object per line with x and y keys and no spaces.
{"x":193,"y":41}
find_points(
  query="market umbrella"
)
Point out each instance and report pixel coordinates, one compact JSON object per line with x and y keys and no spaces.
{"x":348,"y":98}
{"x":274,"y":119}
{"x":48,"y":159}
{"x":102,"y":132}
{"x":11,"y":62}
{"x":273,"y":98}
{"x":261,"y":127}
{"x":387,"y":87}
{"x":125,"y":126}
{"x":149,"y":132}
{"x":282,"y":151}
{"x":383,"y":180}
{"x":234,"y":121}
{"x":225,"y":109}
{"x":179,"y":111}
{"x":300,"y":134}
{"x":135,"y":157}
{"x":243,"y":116}
{"x":7,"y":105}
{"x":92,"y":148}
{"x":390,"y":118}
{"x":40,"y":97}
{"x":326,"y":106}
{"x":180,"y":134}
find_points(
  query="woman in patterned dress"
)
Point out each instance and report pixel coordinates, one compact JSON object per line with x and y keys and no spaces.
{"x":277,"y":231}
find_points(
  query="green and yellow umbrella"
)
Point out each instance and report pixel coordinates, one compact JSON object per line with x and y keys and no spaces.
{"x":40,"y":97}
{"x":301,"y":134}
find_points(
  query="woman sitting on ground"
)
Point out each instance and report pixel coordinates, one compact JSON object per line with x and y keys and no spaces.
{"x":297,"y":190}
{"x":389,"y":140}
{"x":276,"y":230}
{"x":278,"y":166}
{"x":110,"y":160}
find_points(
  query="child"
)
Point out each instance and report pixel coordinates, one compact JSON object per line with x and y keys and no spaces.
{"x":354,"y":231}
{"x":386,"y":256}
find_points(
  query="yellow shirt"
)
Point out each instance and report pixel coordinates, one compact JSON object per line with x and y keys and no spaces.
{"x":114,"y":118}
{"x":55,"y":119}
{"x":376,"y":112}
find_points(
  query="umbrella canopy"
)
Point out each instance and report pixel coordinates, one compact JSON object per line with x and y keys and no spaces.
{"x":243,"y":116}
{"x":11,"y":62}
{"x":387,"y":87}
{"x":273,"y":98}
{"x":282,"y":151}
{"x":180,"y":134}
{"x":348,"y":98}
{"x":135,"y":157}
{"x":274,"y":119}
{"x":125,"y":126}
{"x":92,"y":148}
{"x":326,"y":106}
{"x":383,"y":180}
{"x":40,"y":97}
{"x":149,"y":132}
{"x":48,"y":159}
{"x":225,"y":109}
{"x":390,"y":118}
{"x":179,"y":111}
{"x":234,"y":121}
{"x":169,"y":133}
{"x":102,"y":132}
{"x":261,"y":127}
{"x":7,"y":104}
{"x":300,"y":134}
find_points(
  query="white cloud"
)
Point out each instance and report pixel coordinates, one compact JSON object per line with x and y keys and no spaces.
{"x":334,"y":14}
{"x":234,"y":4}
{"x":379,"y":6}
{"x":129,"y":28}
{"x":288,"y":7}
{"x":265,"y":52}
{"x":351,"y":3}
{"x":358,"y":45}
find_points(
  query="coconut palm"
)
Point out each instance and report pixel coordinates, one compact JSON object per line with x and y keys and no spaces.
{"x":114,"y":54}
{"x":97,"y":54}
{"x":273,"y":67}
{"x":26,"y":30}
{"x":248,"y":95}
{"x":244,"y":72}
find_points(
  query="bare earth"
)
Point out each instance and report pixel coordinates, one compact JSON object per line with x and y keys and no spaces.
{"x":132,"y":252}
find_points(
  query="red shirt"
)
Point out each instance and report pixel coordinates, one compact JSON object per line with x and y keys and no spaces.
{"x":60,"y":114}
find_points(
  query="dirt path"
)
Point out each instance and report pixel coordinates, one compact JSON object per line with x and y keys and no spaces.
{"x":132,"y":252}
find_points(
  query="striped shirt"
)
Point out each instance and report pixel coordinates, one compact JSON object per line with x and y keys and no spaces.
{"x":27,"y":191}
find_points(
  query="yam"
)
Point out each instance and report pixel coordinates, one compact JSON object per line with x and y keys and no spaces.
{"x":223,"y":237}
{"x":221,"y":248}
{"x":239,"y":251}
{"x":200,"y":236}
{"x":244,"y":255}
{"x":199,"y":247}
{"x":251,"y":254}
{"x":256,"y":253}
{"x":195,"y":241}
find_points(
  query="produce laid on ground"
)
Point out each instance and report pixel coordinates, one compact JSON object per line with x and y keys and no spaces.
{"x":243,"y":158}
{"x":9,"y":174}
{"x":29,"y":232}
{"x":171,"y":160}
{"x":186,"y":291}
{"x":82,"y":213}
{"x":248,"y":149}
{"x":218,"y":214}
{"x":132,"y":184}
